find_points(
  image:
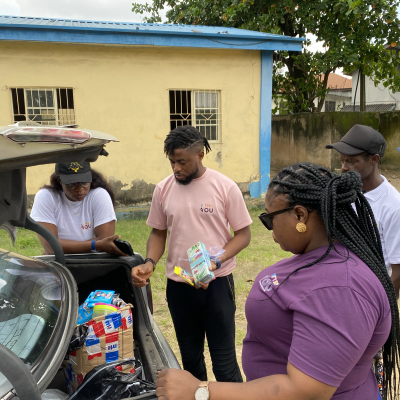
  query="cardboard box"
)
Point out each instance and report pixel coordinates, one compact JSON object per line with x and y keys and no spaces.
{"x":110,"y":338}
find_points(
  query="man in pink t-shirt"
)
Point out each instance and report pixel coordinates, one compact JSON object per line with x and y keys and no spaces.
{"x":198,"y":204}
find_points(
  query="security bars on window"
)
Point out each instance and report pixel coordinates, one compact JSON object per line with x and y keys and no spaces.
{"x":47,"y":106}
{"x":200,"y":108}
{"x":330,"y":106}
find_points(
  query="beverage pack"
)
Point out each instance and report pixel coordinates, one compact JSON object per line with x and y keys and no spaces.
{"x":185,"y":275}
{"x":200,"y":263}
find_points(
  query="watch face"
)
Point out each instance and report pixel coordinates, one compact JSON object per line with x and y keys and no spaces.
{"x":201,"y":394}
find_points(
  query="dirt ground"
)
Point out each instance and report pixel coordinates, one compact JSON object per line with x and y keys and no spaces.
{"x":393,"y":176}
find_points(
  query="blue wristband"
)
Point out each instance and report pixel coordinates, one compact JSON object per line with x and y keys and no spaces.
{"x":94,"y":246}
{"x":218,"y":264}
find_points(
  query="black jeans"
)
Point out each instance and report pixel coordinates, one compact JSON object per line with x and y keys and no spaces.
{"x":211,"y":312}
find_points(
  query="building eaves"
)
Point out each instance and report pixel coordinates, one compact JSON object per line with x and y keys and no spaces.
{"x":84,"y":31}
{"x":340,"y":90}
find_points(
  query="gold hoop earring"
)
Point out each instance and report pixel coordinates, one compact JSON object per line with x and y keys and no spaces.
{"x":301,"y":227}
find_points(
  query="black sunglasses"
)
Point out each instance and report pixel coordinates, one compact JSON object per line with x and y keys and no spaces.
{"x":266,"y":218}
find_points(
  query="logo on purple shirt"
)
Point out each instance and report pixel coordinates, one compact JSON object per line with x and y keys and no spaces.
{"x":266,"y":283}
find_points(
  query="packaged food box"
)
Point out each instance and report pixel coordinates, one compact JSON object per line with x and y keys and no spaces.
{"x":110,"y":338}
{"x":100,"y":296}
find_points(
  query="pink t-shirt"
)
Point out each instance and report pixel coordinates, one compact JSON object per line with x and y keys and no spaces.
{"x":203,"y":211}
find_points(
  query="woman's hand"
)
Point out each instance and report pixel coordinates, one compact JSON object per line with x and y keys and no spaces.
{"x":176,"y":384}
{"x":107,"y":245}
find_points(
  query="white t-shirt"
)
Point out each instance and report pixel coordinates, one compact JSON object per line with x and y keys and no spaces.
{"x":75,"y":220}
{"x":385,"y":204}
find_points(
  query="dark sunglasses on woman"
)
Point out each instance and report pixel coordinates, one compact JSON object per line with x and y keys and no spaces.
{"x":266,"y":218}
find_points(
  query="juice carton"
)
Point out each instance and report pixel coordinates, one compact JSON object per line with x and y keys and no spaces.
{"x":200,"y":263}
{"x":185,"y":275}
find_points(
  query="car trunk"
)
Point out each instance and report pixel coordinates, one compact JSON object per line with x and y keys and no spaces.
{"x":107,"y":272}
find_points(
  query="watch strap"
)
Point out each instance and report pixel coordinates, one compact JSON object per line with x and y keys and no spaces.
{"x":152,"y":261}
{"x":218,"y":264}
{"x":204,"y":384}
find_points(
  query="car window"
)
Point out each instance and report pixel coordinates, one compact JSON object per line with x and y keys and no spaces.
{"x":30,"y":304}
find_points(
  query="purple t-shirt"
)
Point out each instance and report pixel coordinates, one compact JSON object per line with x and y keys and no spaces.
{"x":328,"y":321}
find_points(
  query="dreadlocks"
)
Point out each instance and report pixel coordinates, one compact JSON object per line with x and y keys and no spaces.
{"x":332,"y":196}
{"x":184,"y":137}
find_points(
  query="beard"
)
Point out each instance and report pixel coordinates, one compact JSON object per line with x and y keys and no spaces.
{"x":189,"y":178}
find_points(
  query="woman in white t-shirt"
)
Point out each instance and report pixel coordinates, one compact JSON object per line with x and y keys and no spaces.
{"x":78,"y":208}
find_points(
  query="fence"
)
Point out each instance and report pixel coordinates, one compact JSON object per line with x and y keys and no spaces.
{"x":303,"y":137}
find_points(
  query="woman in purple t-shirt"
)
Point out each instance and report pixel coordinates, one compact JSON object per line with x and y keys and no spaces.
{"x":317,"y":319}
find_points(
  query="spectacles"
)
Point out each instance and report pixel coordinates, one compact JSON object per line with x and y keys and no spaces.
{"x":75,"y":185}
{"x":266,"y":218}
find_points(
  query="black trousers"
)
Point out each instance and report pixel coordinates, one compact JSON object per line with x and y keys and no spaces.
{"x":196,"y":313}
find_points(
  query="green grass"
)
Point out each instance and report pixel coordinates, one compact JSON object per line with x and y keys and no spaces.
{"x":261,"y":253}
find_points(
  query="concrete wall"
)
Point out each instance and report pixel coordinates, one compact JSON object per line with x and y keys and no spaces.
{"x":374,"y":95}
{"x":303,"y":137}
{"x":124,"y":91}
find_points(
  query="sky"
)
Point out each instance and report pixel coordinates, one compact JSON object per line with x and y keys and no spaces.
{"x":97,"y":10}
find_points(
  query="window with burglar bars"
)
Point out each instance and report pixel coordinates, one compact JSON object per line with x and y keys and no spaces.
{"x":47,"y":106}
{"x":330,"y":106}
{"x":200,"y":108}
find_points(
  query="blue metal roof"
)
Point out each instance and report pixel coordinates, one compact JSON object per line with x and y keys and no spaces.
{"x":69,"y":30}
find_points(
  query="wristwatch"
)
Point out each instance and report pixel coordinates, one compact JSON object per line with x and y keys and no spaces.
{"x":152,"y":261}
{"x":218,"y":264}
{"x":202,"y":392}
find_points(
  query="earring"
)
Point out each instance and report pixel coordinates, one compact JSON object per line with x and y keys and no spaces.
{"x":301,"y":227}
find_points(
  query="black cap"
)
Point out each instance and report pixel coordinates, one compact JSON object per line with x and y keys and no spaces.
{"x":360,"y":139}
{"x":73,"y":172}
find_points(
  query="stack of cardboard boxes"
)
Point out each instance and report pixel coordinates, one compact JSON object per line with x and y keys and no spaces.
{"x":110,"y":338}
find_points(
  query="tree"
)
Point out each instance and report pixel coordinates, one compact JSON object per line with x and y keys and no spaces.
{"x":354,"y":33}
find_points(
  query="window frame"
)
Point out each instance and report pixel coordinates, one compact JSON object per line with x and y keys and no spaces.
{"x":329,"y":105}
{"x":192,"y":118}
{"x":56,"y":100}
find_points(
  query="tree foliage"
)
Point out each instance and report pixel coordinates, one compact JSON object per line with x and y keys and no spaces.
{"x":355,"y":34}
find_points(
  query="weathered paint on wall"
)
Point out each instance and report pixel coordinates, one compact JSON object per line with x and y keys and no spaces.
{"x":303,"y":137}
{"x":124,"y":91}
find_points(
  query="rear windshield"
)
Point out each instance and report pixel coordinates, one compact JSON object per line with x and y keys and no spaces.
{"x":30,"y":303}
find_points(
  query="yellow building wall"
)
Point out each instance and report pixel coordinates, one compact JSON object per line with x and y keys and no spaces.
{"x":123,"y":91}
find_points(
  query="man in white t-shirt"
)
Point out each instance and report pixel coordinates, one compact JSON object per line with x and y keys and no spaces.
{"x":198,"y":204}
{"x":361,"y":150}
{"x":77,"y":207}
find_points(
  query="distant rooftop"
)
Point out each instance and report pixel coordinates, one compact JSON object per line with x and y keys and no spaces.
{"x":338,"y":82}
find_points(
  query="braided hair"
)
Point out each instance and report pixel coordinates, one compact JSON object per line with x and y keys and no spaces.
{"x":184,"y":137}
{"x":331,"y":196}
